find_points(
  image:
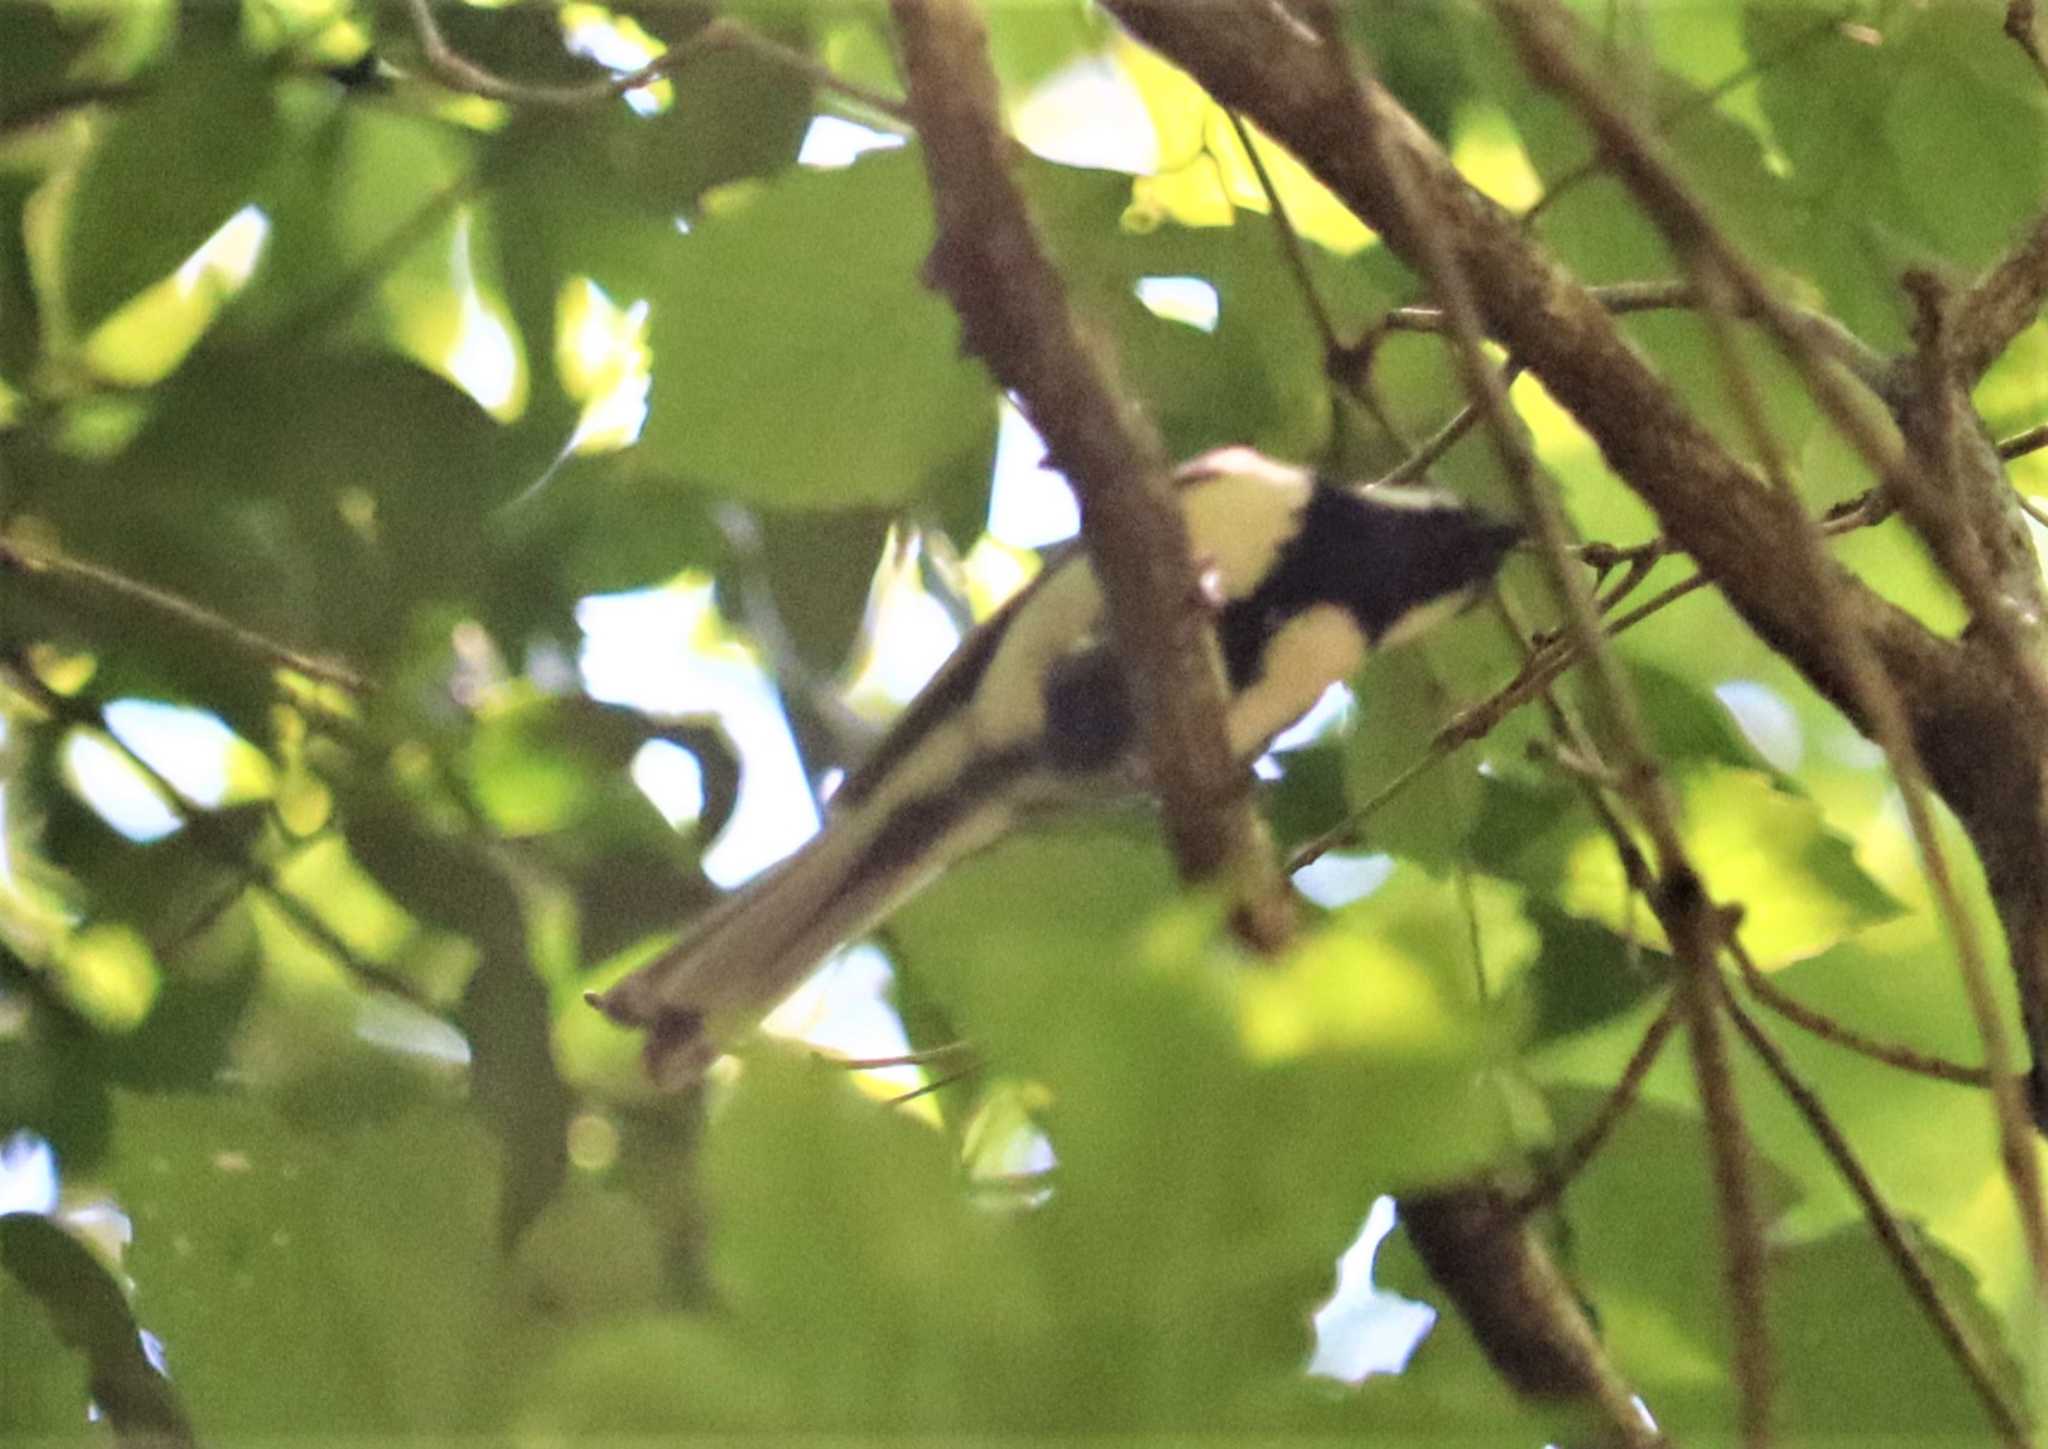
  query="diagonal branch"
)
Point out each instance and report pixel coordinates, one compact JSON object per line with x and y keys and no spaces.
{"x":1015,"y":315}
{"x":2002,"y":585}
{"x":1254,"y":57}
{"x":2004,"y":302}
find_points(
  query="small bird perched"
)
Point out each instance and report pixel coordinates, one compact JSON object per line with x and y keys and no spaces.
{"x":1032,"y":711}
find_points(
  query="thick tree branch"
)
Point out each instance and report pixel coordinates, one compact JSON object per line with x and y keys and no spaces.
{"x":1015,"y":315}
{"x":1983,"y":742}
{"x":1255,"y":57}
{"x":1475,"y":1245}
{"x":1923,"y":471}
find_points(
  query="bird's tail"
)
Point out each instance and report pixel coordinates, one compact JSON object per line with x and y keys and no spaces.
{"x":757,"y":946}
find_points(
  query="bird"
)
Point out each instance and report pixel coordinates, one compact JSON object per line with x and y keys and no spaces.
{"x":1033,"y":712}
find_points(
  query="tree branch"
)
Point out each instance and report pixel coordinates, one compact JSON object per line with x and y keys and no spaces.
{"x":2003,"y":303}
{"x":458,"y":72}
{"x":32,"y":563}
{"x":1252,"y":56}
{"x":1923,"y":471}
{"x":1014,"y":314}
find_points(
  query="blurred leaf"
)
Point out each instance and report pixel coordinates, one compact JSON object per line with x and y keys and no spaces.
{"x":1884,"y":1368}
{"x":817,"y":569}
{"x":90,"y":1314}
{"x":542,"y":765}
{"x":371,"y":1312}
{"x":1416,"y":49}
{"x":1257,"y":377}
{"x":1663,"y":1312}
{"x":1203,"y":173}
{"x":505,"y":1015}
{"x":1308,"y":799}
{"x":1688,"y":725}
{"x":758,"y":300}
{"x":241,"y":495}
{"x":1404,"y":697}
{"x":1867,"y":115}
{"x":46,"y":1396}
{"x":1586,"y":975}
{"x":735,"y":114}
{"x":505,"y":1008}
{"x":48,"y":1084}
{"x":592,"y":1254}
{"x":170,"y":169}
{"x":39,"y":45}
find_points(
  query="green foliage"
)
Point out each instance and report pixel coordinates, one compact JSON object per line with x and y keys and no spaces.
{"x":345,"y":479}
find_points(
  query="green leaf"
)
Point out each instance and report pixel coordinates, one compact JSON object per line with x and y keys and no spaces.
{"x":358,"y":1267}
{"x":47,"y":1082}
{"x":1689,"y":726}
{"x":320,"y":499}
{"x":735,"y":114}
{"x":506,"y":1008}
{"x":1882,"y":1370}
{"x":1867,"y":115}
{"x":1796,"y":881}
{"x":1586,"y":975}
{"x":801,"y":287}
{"x":1404,"y":697}
{"x":1258,"y":377}
{"x":818,"y":568}
{"x":755,"y":303}
{"x":170,"y":169}
{"x":1662,"y":1312}
{"x":873,"y":1337}
{"x":47,"y":1393}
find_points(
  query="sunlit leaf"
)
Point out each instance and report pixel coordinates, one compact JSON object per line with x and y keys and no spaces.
{"x":1797,"y":883}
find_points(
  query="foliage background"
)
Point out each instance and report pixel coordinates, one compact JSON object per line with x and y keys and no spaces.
{"x":321,"y":392}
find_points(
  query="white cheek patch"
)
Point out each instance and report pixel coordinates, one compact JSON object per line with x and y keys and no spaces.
{"x":1311,"y":652}
{"x":1240,"y":522}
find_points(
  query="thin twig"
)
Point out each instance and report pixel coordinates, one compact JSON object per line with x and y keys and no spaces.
{"x":1891,"y":1054}
{"x":1565,"y":1166}
{"x":457,"y":71}
{"x":1542,"y":33}
{"x":1680,"y":899}
{"x":85,"y":714}
{"x":1625,"y":298}
{"x":1290,"y":241}
{"x":902,"y":1059}
{"x":2020,"y":444}
{"x":31,"y":561}
{"x":935,"y":1084}
{"x":1969,"y":1356}
{"x":1419,"y":462}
